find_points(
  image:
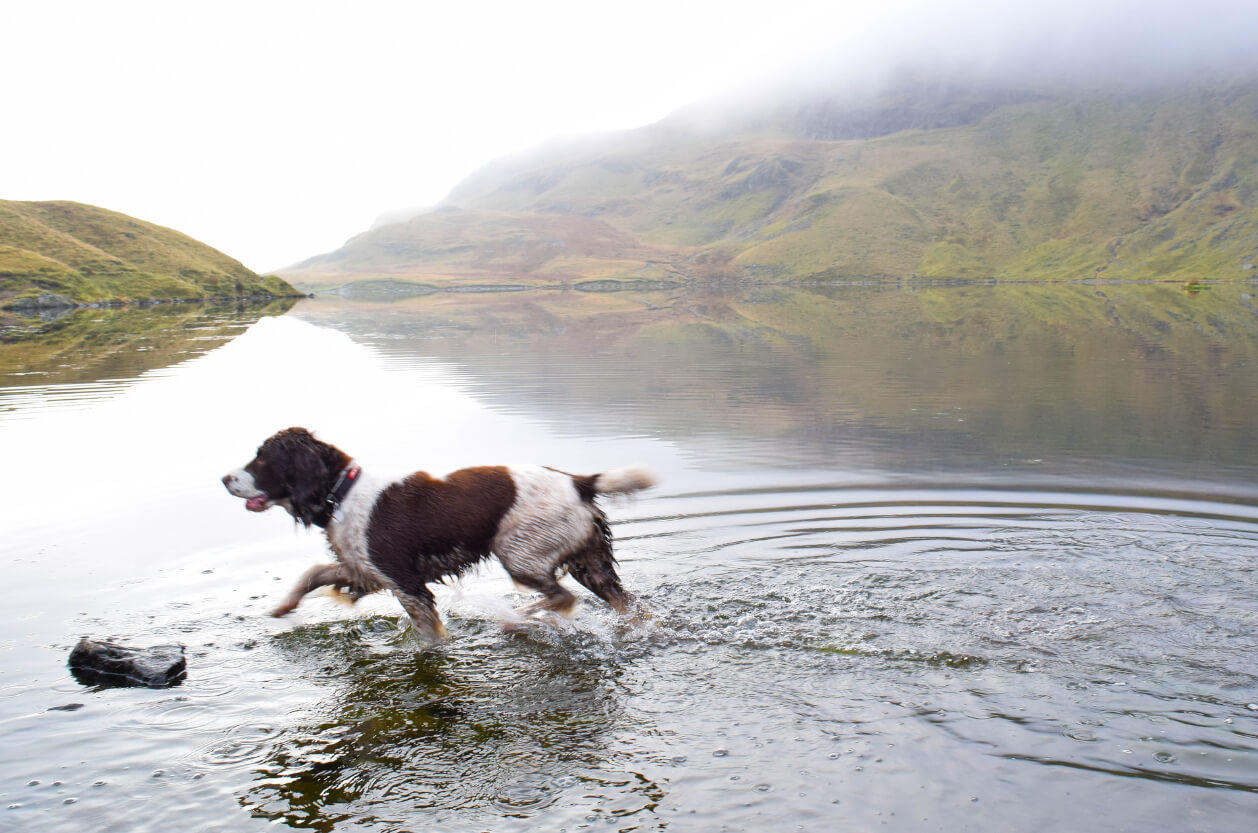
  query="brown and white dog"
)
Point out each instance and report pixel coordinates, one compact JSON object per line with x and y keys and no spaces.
{"x":402,"y":534}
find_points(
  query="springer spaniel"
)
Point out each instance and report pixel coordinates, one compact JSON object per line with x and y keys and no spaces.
{"x":401,"y":534}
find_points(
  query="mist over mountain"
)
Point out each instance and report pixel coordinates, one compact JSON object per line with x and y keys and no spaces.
{"x":1117,"y":143}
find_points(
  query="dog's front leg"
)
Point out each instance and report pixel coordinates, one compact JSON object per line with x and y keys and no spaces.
{"x":317,"y":576}
{"x":423,"y":612}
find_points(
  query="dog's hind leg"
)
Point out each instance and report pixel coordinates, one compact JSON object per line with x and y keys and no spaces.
{"x":531,"y":553}
{"x":555,"y":598}
{"x":594,"y":567}
{"x":320,"y":575}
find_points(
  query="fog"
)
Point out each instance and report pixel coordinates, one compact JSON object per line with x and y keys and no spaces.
{"x":1122,"y":44}
{"x":276,"y":131}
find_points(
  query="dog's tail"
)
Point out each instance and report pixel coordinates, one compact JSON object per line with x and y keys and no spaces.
{"x":623,"y":481}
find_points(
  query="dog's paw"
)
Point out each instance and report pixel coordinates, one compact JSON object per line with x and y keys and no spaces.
{"x":523,"y":620}
{"x":345,"y":597}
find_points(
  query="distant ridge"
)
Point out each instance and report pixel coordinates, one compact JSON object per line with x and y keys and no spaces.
{"x":67,"y":253}
{"x":933,"y":179}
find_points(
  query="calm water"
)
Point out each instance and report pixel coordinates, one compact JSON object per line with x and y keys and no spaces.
{"x":922,"y":558}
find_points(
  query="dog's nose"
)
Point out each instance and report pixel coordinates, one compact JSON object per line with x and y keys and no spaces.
{"x":227,"y":480}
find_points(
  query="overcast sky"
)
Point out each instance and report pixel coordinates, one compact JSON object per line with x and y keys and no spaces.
{"x":276,"y":130}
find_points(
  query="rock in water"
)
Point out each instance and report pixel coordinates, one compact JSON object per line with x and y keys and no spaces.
{"x":107,"y":664}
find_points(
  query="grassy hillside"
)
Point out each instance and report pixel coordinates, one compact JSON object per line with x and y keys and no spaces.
{"x":453,"y":245}
{"x":942,"y":182}
{"x":89,"y":255}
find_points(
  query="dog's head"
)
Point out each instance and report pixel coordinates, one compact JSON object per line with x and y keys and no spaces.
{"x":292,"y":469}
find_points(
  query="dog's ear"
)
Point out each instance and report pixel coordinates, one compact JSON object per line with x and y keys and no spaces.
{"x":306,"y":472}
{"x":308,"y":484}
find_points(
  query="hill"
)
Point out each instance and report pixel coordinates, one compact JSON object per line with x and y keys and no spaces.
{"x":934,"y":179}
{"x":70,"y":253}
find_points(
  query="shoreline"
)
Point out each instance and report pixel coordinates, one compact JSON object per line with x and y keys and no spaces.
{"x":50,"y":301}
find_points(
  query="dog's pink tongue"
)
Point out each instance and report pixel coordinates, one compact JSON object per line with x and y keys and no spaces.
{"x":257,"y":504}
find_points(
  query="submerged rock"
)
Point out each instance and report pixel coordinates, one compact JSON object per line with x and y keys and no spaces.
{"x":45,"y":300}
{"x":107,"y":664}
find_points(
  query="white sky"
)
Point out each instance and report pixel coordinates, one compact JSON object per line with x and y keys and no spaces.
{"x":276,"y":130}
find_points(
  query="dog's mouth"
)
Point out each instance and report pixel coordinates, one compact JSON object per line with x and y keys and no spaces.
{"x":260,"y":503}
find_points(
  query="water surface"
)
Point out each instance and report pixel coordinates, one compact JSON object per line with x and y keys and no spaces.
{"x":959,"y":557}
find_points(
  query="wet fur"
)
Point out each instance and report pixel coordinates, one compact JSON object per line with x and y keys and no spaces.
{"x":406,"y":533}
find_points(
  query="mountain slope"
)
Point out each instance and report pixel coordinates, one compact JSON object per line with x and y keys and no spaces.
{"x":87,"y":255}
{"x":937,"y":180}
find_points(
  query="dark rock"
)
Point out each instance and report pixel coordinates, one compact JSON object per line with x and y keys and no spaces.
{"x":107,"y":664}
{"x":44,"y":301}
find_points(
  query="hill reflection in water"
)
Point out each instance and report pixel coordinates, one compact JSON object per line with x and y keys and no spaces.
{"x":979,"y":555}
{"x":1035,"y":378}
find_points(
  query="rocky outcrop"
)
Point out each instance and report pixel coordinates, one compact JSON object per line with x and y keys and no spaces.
{"x":42,"y":301}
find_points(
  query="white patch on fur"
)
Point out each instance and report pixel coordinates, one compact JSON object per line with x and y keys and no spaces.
{"x":547,"y":521}
{"x":621,"y":481}
{"x":241,"y":484}
{"x":348,"y":536}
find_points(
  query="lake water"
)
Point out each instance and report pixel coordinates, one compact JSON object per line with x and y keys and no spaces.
{"x":921,"y":558}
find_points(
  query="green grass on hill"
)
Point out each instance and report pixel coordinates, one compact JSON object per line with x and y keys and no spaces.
{"x":1068,"y":184}
{"x":90,"y":255}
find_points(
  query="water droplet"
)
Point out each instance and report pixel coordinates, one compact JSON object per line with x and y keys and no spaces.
{"x":719,"y":753}
{"x":32,"y":783}
{"x":69,"y":801}
{"x":1164,"y":757}
{"x":764,"y":788}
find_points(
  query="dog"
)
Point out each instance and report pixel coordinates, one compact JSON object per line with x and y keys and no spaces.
{"x":402,"y":534}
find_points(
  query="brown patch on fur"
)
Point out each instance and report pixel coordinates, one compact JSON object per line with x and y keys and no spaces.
{"x":585,"y":486}
{"x":423,"y":529}
{"x":583,"y":483}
